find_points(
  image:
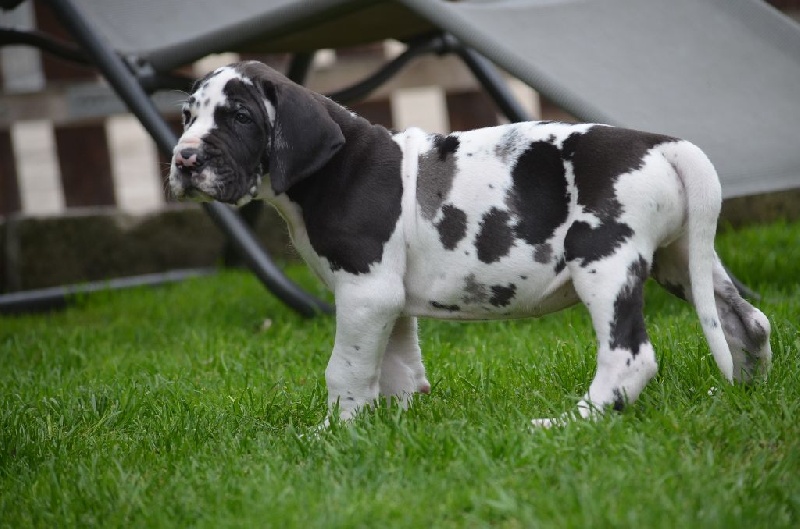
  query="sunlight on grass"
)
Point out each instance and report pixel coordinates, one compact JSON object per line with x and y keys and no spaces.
{"x":178,"y":407}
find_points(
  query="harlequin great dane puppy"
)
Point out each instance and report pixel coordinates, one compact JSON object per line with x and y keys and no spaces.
{"x":503,"y":222}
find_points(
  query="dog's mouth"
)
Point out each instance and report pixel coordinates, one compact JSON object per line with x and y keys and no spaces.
{"x":206,"y":188}
{"x":187,"y":185}
{"x":196,"y":195}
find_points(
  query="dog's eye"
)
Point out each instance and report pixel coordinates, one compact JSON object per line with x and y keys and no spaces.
{"x":186,"y":116}
{"x":242,"y":117}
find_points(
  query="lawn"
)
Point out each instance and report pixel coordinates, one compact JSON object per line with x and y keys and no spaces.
{"x":195,"y":406}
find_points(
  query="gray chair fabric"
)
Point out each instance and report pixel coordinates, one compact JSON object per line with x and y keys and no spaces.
{"x":724,"y":74}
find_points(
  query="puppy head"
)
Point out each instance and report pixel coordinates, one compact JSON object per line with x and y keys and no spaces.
{"x":245,"y":121}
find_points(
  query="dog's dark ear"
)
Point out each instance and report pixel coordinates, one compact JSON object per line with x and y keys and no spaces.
{"x":304,"y":136}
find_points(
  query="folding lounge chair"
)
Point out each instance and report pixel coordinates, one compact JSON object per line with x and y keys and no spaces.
{"x":721,"y":73}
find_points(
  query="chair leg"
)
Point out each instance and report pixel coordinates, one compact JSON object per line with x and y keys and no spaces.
{"x":129,"y":89}
{"x":488,"y":76}
{"x":299,"y":67}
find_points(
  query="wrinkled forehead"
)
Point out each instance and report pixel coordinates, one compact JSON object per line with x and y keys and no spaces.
{"x":214,"y":89}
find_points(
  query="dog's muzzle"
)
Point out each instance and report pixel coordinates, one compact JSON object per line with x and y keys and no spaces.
{"x":187,"y":177}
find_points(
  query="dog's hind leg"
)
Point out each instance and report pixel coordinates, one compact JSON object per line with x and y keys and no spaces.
{"x":402,"y":372}
{"x":745,"y":327}
{"x":612,"y":291}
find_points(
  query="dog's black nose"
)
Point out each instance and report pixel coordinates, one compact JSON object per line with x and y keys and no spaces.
{"x":189,"y":159}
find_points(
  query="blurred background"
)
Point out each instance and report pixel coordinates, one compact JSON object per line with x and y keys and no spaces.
{"x":82,"y":192}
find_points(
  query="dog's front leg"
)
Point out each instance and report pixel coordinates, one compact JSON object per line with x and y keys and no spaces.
{"x":365,"y":315}
{"x":402,"y":371}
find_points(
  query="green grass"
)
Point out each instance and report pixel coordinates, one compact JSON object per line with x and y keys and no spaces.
{"x":174,"y":407}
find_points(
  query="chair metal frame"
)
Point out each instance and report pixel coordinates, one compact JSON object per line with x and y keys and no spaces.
{"x":133,"y":80}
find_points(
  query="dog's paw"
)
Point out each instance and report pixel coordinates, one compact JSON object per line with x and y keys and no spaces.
{"x":324,"y":426}
{"x":584,"y":411}
{"x":330,"y":424}
{"x":424,"y":387}
{"x":547,"y":423}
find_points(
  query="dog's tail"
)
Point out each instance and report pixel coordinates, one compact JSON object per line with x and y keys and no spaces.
{"x":703,"y":203}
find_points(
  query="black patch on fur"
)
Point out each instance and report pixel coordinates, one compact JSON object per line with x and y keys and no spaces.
{"x":435,"y":174}
{"x":351,"y":206}
{"x":474,"y":292}
{"x":538,"y":196}
{"x":560,"y":265}
{"x":543,"y":253}
{"x":495,"y":237}
{"x":627,"y":328}
{"x":599,"y":156}
{"x":446,"y":145}
{"x":502,"y":295}
{"x":452,"y":226}
{"x":619,"y":400}
{"x":448,"y":308}
{"x":589,"y":244}
{"x":506,"y":145}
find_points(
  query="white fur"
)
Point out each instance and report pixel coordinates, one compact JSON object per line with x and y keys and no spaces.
{"x":670,"y":202}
